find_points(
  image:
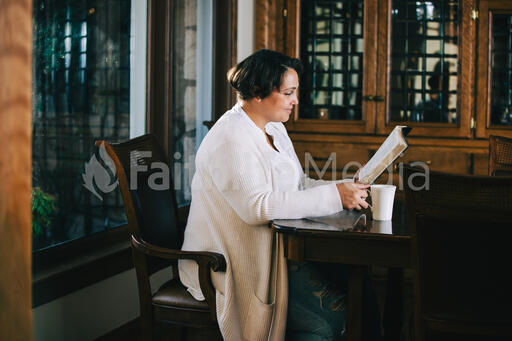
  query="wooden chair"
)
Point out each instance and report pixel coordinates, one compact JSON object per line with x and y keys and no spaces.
{"x":461,"y":236}
{"x":500,"y":155}
{"x":156,"y":234}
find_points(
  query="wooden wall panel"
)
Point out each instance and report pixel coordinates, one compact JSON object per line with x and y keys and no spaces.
{"x":15,"y":169}
{"x":481,"y":164}
{"x":270,"y":28}
{"x":439,"y":159}
{"x":333,"y":161}
{"x":459,"y":158}
{"x":337,"y":157}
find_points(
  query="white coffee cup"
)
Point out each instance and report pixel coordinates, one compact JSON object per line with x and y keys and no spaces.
{"x":383,"y":197}
{"x":382,"y":226}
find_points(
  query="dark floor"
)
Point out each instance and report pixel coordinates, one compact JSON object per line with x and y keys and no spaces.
{"x":131,"y":332}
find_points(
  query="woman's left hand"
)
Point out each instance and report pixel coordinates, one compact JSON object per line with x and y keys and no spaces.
{"x":356,"y":176}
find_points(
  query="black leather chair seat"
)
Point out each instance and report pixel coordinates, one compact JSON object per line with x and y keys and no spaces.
{"x":173,"y":293}
{"x":174,"y":304}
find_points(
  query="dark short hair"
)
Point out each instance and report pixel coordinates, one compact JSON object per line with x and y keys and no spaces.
{"x":260,"y":73}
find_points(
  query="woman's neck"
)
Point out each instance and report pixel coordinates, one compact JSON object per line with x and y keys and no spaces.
{"x":253,"y":111}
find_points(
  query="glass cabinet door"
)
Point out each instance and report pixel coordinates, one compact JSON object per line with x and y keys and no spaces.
{"x":427,"y":84}
{"x":332,"y":49}
{"x":336,"y":42}
{"x":370,"y":65}
{"x":494,"y":100}
{"x":424,"y":52}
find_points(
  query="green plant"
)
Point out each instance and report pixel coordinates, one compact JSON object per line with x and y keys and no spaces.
{"x":43,"y":206}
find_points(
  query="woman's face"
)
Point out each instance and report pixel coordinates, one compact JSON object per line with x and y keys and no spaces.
{"x":279,"y":104}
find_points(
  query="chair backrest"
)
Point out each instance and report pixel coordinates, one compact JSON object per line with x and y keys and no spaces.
{"x":461,"y":232}
{"x":147,"y":190}
{"x":500,"y":155}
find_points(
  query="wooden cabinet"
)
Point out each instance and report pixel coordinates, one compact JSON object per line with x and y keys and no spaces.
{"x":373,"y":64}
{"x":323,"y":155}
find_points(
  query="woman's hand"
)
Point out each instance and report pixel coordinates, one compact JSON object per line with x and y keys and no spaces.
{"x":356,"y":176}
{"x":353,"y":195}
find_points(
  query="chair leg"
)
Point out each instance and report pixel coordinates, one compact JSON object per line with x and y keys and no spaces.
{"x":147,"y":331}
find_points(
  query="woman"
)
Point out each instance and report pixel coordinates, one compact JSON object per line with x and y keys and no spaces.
{"x":247,"y":173}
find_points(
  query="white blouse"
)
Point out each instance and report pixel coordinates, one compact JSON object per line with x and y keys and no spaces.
{"x":240,"y":184}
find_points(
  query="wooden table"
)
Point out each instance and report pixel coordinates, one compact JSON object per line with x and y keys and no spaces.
{"x":373,"y":243}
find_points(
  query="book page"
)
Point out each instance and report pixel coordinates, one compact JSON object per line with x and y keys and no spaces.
{"x":394,"y":144}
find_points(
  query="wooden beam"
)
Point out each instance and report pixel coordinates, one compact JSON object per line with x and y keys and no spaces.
{"x":224,"y":54}
{"x":159,"y":71}
{"x":15,"y":169}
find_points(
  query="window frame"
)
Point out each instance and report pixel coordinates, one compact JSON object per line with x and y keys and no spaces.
{"x":69,"y":266}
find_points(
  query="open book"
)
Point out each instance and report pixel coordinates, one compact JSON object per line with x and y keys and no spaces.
{"x":388,"y":152}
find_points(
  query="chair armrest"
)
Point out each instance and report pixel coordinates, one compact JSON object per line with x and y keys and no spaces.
{"x":215,"y":261}
{"x":206,"y":261}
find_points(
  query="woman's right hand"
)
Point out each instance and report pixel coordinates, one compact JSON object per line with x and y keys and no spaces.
{"x":353,"y":195}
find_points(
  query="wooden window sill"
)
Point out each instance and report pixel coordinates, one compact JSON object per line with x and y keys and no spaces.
{"x":63,"y":269}
{"x":71,"y":266}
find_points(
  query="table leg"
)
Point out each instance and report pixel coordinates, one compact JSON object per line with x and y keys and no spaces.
{"x":394,"y":309}
{"x":356,"y":278}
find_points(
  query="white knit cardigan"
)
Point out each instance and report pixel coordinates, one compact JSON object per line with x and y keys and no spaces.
{"x":240,"y":184}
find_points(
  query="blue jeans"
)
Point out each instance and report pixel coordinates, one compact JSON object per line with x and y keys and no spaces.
{"x":317,"y":303}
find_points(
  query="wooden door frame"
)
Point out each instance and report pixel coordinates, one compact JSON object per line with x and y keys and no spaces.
{"x":159,"y":71}
{"x":225,"y":14}
{"x":160,"y":60}
{"x":16,"y":170}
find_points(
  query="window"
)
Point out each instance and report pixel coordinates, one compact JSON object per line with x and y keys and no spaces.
{"x":166,"y":87}
{"x":192,"y":87}
{"x":82,"y":92}
{"x":187,"y":67}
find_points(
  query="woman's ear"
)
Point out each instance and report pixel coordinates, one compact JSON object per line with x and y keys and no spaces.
{"x":256,"y":90}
